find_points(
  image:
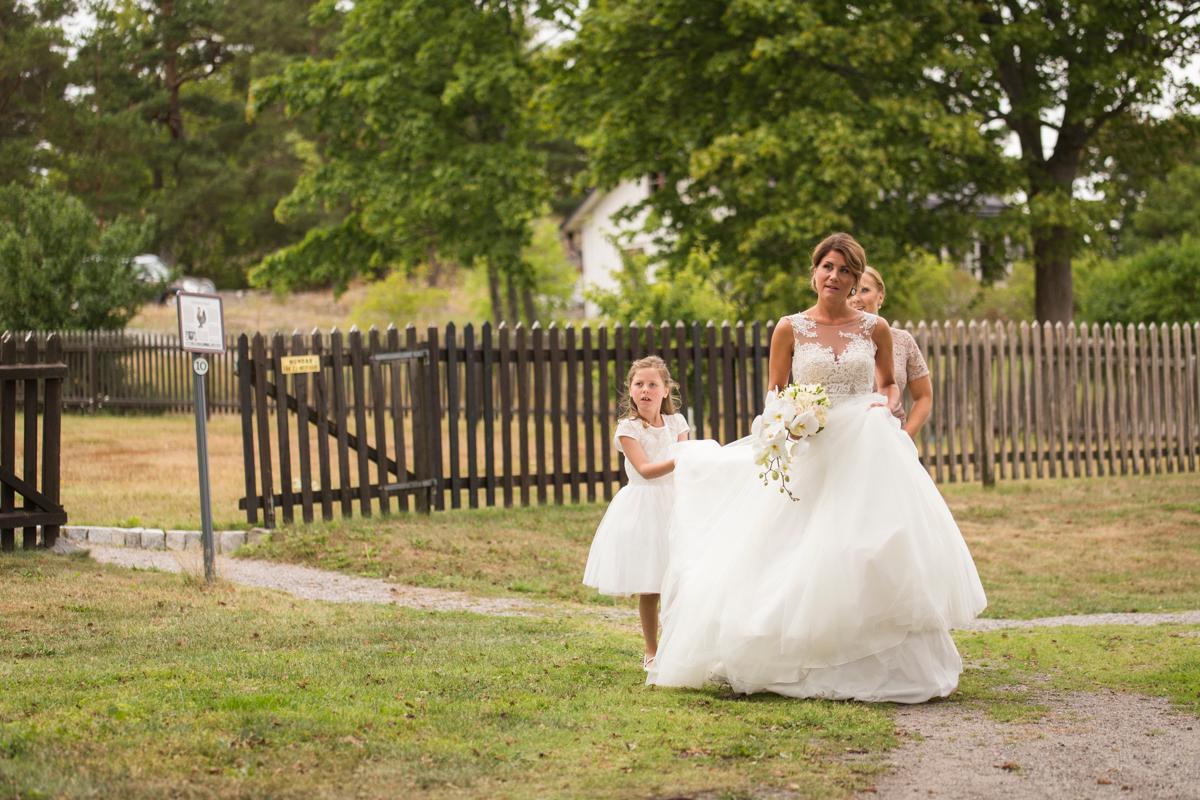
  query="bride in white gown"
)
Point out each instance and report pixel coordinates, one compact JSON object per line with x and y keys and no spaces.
{"x":848,"y":593}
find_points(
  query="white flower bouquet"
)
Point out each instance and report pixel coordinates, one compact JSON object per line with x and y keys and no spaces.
{"x":795,"y":413}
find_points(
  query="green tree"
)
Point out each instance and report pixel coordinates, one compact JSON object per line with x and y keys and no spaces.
{"x":60,"y":269}
{"x":1171,"y":207}
{"x":767,"y":125}
{"x":33,"y":81}
{"x":161,"y":126}
{"x":771,"y":123}
{"x":1048,"y":69}
{"x":429,"y":149}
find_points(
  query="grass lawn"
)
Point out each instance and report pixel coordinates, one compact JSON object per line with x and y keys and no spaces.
{"x":121,"y":683}
{"x":133,"y":684}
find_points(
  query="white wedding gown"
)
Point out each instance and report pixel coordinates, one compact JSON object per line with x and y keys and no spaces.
{"x":848,"y":593}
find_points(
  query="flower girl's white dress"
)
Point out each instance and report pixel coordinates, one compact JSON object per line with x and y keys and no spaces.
{"x":629,"y":552}
{"x":849,"y":592}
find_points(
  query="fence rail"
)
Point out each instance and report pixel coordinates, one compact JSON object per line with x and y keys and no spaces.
{"x":519,"y":415}
{"x":38,"y":373}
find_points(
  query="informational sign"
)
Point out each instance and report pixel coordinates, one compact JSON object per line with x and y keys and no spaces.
{"x":202,"y":330}
{"x":298,"y":365}
{"x":201,"y":323}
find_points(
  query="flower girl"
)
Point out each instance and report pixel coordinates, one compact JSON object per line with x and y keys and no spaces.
{"x":629,"y":552}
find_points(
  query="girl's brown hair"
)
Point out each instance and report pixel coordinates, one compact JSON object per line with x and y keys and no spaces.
{"x":670,"y":404}
{"x":851,"y":250}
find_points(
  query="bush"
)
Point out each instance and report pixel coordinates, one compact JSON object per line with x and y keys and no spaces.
{"x":689,"y":294}
{"x":60,"y":269}
{"x":402,"y":299}
{"x":924,"y":287}
{"x":1157,"y":284}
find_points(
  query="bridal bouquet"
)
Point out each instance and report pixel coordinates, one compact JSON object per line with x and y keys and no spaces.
{"x":792,"y":415}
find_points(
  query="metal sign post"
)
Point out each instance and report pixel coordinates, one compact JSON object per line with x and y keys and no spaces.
{"x":201,"y":331}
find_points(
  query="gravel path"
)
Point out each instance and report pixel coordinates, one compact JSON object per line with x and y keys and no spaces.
{"x":319,"y":584}
{"x":1088,"y":746}
{"x":314,"y":584}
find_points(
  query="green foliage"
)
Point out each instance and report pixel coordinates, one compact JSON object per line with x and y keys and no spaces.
{"x":35,"y":78}
{"x":1010,"y":299}
{"x":690,"y":293}
{"x":923,"y":287}
{"x":1171,"y":208}
{"x":427,"y":141}
{"x":401,"y":299}
{"x":160,"y":126}
{"x":59,"y":269}
{"x":764,"y":141}
{"x":554,"y":277}
{"x":1156,"y":284}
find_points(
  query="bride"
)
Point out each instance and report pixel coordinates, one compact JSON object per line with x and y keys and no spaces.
{"x":848,"y":593}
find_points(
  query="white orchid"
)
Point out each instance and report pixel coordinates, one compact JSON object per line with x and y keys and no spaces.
{"x":791,"y":416}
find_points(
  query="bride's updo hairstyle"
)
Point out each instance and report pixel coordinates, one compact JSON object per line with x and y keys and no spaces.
{"x":851,"y":250}
{"x":626,"y":409}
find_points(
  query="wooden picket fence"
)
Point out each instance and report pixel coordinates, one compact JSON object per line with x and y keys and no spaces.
{"x":523,"y":415}
{"x":38,"y":372}
{"x":131,"y":372}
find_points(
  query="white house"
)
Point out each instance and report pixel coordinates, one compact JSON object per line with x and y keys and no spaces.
{"x":595,"y":238}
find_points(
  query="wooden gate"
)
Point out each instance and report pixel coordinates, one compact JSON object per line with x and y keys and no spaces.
{"x":388,"y":456}
{"x":41,"y":381}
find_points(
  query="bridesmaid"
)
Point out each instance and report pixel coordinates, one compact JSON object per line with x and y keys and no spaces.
{"x":910,"y":368}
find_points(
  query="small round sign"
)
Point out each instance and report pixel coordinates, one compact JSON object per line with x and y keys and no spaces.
{"x":200,"y":366}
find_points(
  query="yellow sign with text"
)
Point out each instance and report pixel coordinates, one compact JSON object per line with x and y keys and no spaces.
{"x":298,"y":365}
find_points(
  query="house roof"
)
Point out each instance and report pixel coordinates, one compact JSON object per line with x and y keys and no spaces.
{"x":577,"y":217}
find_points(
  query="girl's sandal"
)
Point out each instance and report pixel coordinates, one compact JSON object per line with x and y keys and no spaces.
{"x":647,"y":662}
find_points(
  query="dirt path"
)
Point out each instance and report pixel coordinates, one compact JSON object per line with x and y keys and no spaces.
{"x":1088,"y":746}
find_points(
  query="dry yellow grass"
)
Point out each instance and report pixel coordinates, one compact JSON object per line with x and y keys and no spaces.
{"x":119,"y":469}
{"x":256,"y":310}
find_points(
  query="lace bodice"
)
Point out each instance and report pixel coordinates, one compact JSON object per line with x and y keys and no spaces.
{"x":840,"y":357}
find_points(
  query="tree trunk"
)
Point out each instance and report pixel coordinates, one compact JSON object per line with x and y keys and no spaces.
{"x":433,"y":275}
{"x":527,"y":302}
{"x":514,"y":310}
{"x":1052,"y":248}
{"x":493,"y":275}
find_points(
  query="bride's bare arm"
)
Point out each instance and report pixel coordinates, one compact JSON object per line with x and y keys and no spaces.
{"x":779,"y":368}
{"x":885,"y":370}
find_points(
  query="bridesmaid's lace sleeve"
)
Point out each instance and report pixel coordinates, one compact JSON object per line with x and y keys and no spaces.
{"x":917,"y":368}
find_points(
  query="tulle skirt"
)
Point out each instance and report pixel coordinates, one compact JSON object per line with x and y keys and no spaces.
{"x":629,"y":552}
{"x":848,"y":593}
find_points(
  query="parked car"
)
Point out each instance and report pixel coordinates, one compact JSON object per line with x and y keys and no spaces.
{"x":154,"y":271}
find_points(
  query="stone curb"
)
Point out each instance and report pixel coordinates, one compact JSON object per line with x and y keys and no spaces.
{"x":158,"y":539}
